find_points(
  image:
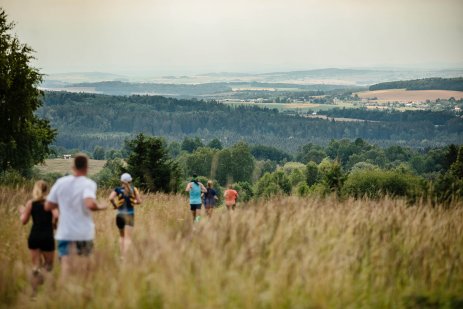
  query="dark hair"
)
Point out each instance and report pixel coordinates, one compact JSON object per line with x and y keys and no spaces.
{"x":81,"y":162}
{"x":195,"y":176}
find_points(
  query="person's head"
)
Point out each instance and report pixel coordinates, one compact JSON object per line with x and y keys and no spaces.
{"x":230,"y":186}
{"x":210,"y":184}
{"x":126,"y":180}
{"x":195,"y":176}
{"x":40,"y":190}
{"x":80,"y":165}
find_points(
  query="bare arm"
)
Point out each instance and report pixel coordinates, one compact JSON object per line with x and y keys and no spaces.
{"x":112,"y":196}
{"x":91,"y":204}
{"x":203,"y":188}
{"x":25,"y":212}
{"x":55,"y":215}
{"x":137,"y":197}
{"x":188,"y":187}
{"x":49,"y":206}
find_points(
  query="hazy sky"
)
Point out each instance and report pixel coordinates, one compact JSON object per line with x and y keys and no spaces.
{"x":197,"y":36}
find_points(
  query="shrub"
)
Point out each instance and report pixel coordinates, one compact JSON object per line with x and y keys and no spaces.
{"x":377,"y":183}
{"x":276,"y":183}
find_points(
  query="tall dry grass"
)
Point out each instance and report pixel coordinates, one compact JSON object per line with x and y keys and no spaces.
{"x":286,"y":253}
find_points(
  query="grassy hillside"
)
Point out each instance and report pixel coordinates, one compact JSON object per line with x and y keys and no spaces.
{"x":285,"y":253}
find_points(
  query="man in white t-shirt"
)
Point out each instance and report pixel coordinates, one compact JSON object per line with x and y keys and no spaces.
{"x":75,"y":196}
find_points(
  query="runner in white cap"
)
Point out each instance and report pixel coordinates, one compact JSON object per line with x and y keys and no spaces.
{"x":123,"y":199}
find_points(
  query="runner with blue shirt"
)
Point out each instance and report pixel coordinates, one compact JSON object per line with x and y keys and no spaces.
{"x":195,"y":188}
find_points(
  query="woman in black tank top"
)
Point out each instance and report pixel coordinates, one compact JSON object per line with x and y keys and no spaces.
{"x":40,"y":242}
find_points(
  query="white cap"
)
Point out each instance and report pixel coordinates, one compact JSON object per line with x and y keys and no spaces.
{"x":126,"y":177}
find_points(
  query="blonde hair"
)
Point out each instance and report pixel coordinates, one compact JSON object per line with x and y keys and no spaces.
{"x":210,"y":183}
{"x":127,"y":188}
{"x":39,"y":193}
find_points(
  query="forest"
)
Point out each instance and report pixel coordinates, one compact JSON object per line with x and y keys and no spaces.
{"x":87,"y":120}
{"x":438,"y":118}
{"x":437,"y":83}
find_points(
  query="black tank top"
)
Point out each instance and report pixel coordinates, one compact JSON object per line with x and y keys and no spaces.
{"x":42,"y":221}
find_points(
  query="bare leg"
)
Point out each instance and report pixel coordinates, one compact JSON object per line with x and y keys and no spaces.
{"x":121,"y":241}
{"x":66,"y":266}
{"x":36,"y":276}
{"x":127,"y":240}
{"x":48,"y":257}
{"x":193,"y":213}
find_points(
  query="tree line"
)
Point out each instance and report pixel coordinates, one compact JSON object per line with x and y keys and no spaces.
{"x":346,"y":168}
{"x":435,"y":83}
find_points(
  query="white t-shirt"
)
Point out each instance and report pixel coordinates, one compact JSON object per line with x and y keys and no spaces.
{"x":75,"y":219}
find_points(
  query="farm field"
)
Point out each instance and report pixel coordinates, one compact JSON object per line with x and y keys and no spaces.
{"x":63,"y":166}
{"x":283,"y":253}
{"x":406,"y":96}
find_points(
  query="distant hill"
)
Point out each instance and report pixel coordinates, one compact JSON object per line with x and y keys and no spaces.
{"x":455,"y":84}
{"x":181,"y":90}
{"x":86,"y":120}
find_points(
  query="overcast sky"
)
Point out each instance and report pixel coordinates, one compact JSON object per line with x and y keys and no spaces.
{"x":197,"y":36}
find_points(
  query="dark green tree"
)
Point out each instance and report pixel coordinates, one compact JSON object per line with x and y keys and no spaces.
{"x":24,"y":138}
{"x":99,"y":153}
{"x":191,"y":144}
{"x":150,"y":165}
{"x":457,"y":167}
{"x":235,"y":164}
{"x":215,"y":144}
{"x":311,"y":173}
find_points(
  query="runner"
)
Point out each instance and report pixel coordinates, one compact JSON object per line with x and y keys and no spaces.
{"x":40,"y":242}
{"x":123,"y":199}
{"x":210,"y":197}
{"x":230,"y":197}
{"x":195,"y":188}
{"x":75,"y":196}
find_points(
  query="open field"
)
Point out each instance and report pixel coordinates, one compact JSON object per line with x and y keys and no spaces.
{"x":63,"y":166}
{"x":407,"y":96}
{"x":284,"y":253}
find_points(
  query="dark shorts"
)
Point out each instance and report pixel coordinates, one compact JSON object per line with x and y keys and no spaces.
{"x":195,"y":207}
{"x":41,"y":243}
{"x":84,"y":247}
{"x":209,"y":203}
{"x":124,"y":219}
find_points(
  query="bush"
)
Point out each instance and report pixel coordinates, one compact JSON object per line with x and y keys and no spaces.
{"x":331,"y":175}
{"x":245,"y":191}
{"x":12,"y":177}
{"x":302,"y":189}
{"x":378,"y":183}
{"x":276,"y":183}
{"x":312,"y":173}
